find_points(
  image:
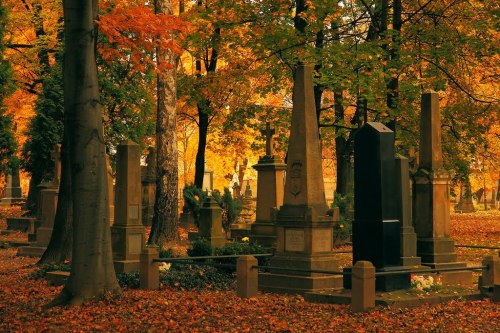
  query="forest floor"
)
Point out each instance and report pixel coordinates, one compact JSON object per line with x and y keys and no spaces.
{"x":22,"y":299}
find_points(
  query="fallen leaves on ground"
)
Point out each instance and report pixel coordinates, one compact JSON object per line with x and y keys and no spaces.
{"x":22,"y":300}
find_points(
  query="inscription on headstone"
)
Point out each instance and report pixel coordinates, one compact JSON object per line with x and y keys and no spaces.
{"x":294,"y":240}
{"x":323,"y":240}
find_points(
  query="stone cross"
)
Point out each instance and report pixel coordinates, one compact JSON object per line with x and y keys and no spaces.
{"x":56,"y":156}
{"x":268,"y":133}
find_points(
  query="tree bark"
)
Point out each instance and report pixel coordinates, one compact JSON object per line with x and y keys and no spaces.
{"x":203,"y":122}
{"x":59,"y":248}
{"x":393,"y":84}
{"x":165,"y":219}
{"x":92,"y":271}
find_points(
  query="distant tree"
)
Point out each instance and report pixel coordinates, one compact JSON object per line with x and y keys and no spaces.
{"x":7,"y":142}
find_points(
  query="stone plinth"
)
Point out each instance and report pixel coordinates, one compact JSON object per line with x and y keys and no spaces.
{"x":403,"y":210}
{"x":211,"y":223}
{"x":376,"y":234}
{"x":270,"y":191}
{"x":304,"y":231}
{"x":25,"y":224}
{"x":431,"y":202}
{"x":48,"y":206}
{"x":127,"y":233}
{"x":13,"y":192}
{"x":186,"y":219}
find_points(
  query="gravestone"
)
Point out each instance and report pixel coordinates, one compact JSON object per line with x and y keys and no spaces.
{"x":304,"y":231}
{"x":148,"y":180}
{"x":270,"y":190}
{"x":127,"y":233}
{"x":403,"y":209}
{"x":242,"y":227}
{"x":465,"y":204}
{"x":13,"y":193}
{"x":111,"y":191}
{"x":431,"y":214}
{"x":208,"y":179}
{"x":41,"y":238}
{"x":376,"y":230}
{"x":211,"y":223}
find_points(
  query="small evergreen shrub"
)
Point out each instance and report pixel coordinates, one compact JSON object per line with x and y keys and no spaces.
{"x":195,"y":277}
{"x":41,"y":272}
{"x":239,"y":248}
{"x":200,"y":248}
{"x":231,"y":207}
{"x":168,"y":253}
{"x":193,"y":200}
{"x":130,"y":280}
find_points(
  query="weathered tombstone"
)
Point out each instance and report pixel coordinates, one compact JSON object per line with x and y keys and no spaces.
{"x":211,"y":223}
{"x":403,"y":209}
{"x":376,"y":233}
{"x":127,"y":233}
{"x":242,"y":227}
{"x":465,"y":204}
{"x":304,"y":231}
{"x":208,"y":179}
{"x":270,"y":191}
{"x":148,"y":181}
{"x":41,"y":238}
{"x":431,"y":214}
{"x":111,"y":191}
{"x":13,"y":192}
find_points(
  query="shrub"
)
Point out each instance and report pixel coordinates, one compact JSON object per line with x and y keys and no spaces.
{"x":200,"y":248}
{"x":168,"y":253}
{"x":195,"y":277}
{"x":42,"y":270}
{"x":130,"y":280}
{"x":231,"y":208}
{"x":193,"y":200}
{"x":238,"y":248}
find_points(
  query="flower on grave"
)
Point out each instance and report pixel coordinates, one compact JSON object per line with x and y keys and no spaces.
{"x":164,"y":266}
{"x":421,"y":283}
{"x":245,"y":239}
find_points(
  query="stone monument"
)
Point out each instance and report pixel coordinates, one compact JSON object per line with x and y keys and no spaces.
{"x":403,"y":209}
{"x":127,"y":233}
{"x":304,"y":231}
{"x":211,"y":223}
{"x":270,"y":191}
{"x":148,"y":180}
{"x":13,"y":192}
{"x":431,"y":213}
{"x":242,"y":227}
{"x":465,"y":204}
{"x":376,"y":230}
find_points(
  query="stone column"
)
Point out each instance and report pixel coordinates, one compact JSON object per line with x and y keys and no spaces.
{"x":403,"y":209}
{"x":270,"y":191}
{"x":304,"y":231}
{"x":376,"y":233}
{"x":431,"y":214}
{"x":127,"y":233}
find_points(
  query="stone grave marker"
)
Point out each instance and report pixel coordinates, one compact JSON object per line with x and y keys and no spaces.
{"x":376,"y":233}
{"x":242,"y":227}
{"x":304,"y":231}
{"x":127,"y":233}
{"x":431,"y":214}
{"x":465,"y":203}
{"x":211,"y":223}
{"x":270,"y":192}
{"x":13,"y":192}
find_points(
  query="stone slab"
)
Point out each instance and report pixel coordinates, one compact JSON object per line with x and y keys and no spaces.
{"x":57,"y":278}
{"x":31,"y":251}
{"x":24,"y":224}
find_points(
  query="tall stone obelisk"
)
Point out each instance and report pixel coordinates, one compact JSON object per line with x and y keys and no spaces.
{"x":304,"y":231}
{"x":431,"y":212}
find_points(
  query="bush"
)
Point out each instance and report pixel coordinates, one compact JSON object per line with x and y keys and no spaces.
{"x":193,"y":200}
{"x":231,"y":208}
{"x":130,"y":280}
{"x":238,"y":248}
{"x":168,"y":253}
{"x":200,"y":248}
{"x":195,"y":277}
{"x":41,"y":272}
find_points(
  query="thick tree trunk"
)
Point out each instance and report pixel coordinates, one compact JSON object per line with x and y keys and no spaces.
{"x":165,"y":220}
{"x":60,"y":245}
{"x":341,"y":153}
{"x":393,"y":84}
{"x":92,"y":271}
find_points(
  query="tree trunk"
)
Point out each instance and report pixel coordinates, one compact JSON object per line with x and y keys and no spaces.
{"x":31,"y":201}
{"x":393,"y":84}
{"x":203,"y":123}
{"x":59,"y":248}
{"x":165,"y":221}
{"x":92,"y":271}
{"x":341,"y":153}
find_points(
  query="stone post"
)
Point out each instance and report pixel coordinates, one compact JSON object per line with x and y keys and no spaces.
{"x":149,"y":271}
{"x":303,"y":228}
{"x":403,"y":208}
{"x":246,"y":277}
{"x":270,"y":191}
{"x":127,"y":233}
{"x":211,"y":223}
{"x":431,"y":213}
{"x":363,"y":286}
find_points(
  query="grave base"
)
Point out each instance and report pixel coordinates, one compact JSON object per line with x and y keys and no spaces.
{"x":31,"y":251}
{"x":296,"y":284}
{"x":436,"y":250}
{"x":57,"y":278}
{"x":126,"y":266}
{"x":43,"y":235}
{"x":456,"y":278}
{"x":384,"y":283}
{"x":263,"y":233}
{"x":25,"y":224}
{"x":6,"y":202}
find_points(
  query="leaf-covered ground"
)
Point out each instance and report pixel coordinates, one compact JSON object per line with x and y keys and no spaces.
{"x":21,"y":301}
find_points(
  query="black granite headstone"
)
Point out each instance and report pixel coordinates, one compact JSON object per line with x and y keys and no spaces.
{"x":376,"y":229}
